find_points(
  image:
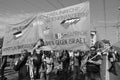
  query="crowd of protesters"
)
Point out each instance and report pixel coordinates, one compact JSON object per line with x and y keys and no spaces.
{"x":63,"y":64}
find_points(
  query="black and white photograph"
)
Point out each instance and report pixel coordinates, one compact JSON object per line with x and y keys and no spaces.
{"x":59,"y":39}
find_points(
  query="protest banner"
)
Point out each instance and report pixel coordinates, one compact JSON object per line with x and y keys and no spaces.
{"x":66,"y":28}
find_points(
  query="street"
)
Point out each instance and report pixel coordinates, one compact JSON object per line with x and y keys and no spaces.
{"x":12,"y":75}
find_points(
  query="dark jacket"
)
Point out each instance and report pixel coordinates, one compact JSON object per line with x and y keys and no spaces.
{"x":91,"y":67}
{"x":22,"y":68}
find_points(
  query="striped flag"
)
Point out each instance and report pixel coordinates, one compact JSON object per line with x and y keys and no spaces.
{"x":17,"y":34}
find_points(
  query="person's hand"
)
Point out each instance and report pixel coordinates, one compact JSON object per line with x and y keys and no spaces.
{"x":21,"y":58}
{"x":16,"y":62}
{"x":90,"y":61}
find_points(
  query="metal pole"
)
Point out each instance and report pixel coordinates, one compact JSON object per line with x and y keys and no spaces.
{"x":106,"y":57}
{"x":104,"y":6}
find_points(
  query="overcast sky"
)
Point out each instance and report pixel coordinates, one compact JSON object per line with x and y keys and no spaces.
{"x":13,"y":7}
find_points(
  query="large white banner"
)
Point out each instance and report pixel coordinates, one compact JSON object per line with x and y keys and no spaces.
{"x":67,"y":28}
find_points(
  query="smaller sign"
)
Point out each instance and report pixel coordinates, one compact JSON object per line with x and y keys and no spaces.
{"x":93,"y":38}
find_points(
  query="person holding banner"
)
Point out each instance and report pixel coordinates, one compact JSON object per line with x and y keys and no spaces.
{"x":93,"y":64}
{"x":38,"y":44}
{"x":22,"y":67}
{"x":37,"y":57}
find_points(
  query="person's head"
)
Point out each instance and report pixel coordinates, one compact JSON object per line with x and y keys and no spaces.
{"x":98,"y":51}
{"x":24,"y":53}
{"x":92,"y":49}
{"x":76,"y":53}
{"x":107,"y":46}
{"x":22,"y":56}
{"x":47,"y":53}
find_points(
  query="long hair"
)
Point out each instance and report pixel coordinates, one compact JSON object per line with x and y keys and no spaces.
{"x":42,"y":43}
